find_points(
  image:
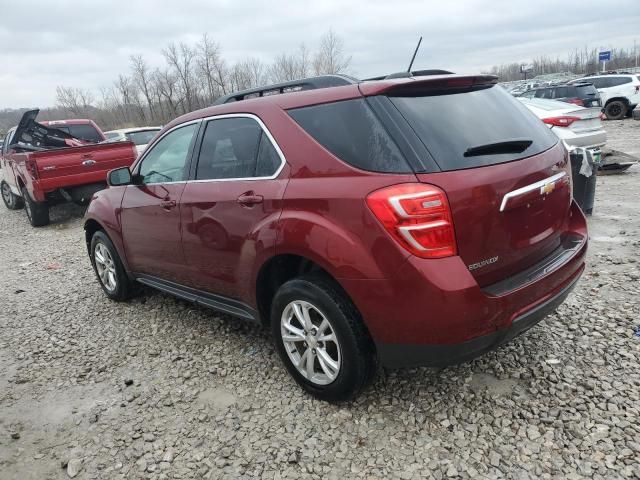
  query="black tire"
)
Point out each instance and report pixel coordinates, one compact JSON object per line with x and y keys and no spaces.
{"x":358,"y":361}
{"x":37,"y":212}
{"x":123,"y":289}
{"x":615,"y":110}
{"x":10,"y":199}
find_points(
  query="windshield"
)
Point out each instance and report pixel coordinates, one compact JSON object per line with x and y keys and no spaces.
{"x":450,"y":125}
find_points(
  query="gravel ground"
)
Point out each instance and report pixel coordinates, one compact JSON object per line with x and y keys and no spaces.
{"x":158,"y":388}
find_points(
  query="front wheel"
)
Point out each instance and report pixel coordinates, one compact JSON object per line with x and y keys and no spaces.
{"x":321,"y":338}
{"x":10,"y":199}
{"x":37,"y":212}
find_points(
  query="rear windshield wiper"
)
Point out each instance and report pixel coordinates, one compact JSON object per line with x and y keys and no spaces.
{"x":507,"y":146}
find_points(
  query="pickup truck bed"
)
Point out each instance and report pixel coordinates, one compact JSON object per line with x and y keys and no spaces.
{"x":38,"y":176}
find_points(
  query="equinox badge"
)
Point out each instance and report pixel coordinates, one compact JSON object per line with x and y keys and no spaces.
{"x":483,"y":263}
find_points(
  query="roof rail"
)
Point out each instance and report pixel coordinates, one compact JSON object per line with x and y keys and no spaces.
{"x":414,"y":73}
{"x":311,"y":83}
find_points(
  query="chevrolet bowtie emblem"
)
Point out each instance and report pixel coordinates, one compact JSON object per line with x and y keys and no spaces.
{"x":547,"y":188}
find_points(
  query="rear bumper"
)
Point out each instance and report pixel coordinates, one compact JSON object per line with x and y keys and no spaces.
{"x":433,"y":312}
{"x":397,"y":356}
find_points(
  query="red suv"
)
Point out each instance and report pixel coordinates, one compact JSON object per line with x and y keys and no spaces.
{"x":405,"y":221}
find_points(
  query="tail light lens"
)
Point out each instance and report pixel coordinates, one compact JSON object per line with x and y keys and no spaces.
{"x":32,"y":168}
{"x":418,"y":217}
{"x":575,"y":101}
{"x":563,"y":121}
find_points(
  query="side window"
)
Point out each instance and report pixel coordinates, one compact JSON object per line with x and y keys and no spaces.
{"x":234,"y":148}
{"x":351,"y":131}
{"x":615,"y":81}
{"x":268,"y":158}
{"x":167,"y":160}
{"x":560,"y":92}
{"x":601,"y":82}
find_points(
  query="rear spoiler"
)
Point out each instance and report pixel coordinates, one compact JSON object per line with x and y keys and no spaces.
{"x":432,"y":85}
{"x":31,"y":135}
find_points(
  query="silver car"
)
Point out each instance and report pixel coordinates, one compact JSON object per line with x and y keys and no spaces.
{"x":577,"y":126}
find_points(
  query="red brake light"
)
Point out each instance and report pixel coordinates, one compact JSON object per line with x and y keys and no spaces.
{"x":575,"y":101}
{"x":32,"y":167}
{"x":418,"y":217}
{"x":560,"y":121}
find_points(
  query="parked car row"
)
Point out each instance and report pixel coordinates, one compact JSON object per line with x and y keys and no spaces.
{"x":617,"y":93}
{"x":416,"y":219}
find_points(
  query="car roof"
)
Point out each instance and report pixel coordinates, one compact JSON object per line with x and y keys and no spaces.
{"x":305,"y":98}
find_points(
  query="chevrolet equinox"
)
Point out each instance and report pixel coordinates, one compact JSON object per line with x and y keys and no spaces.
{"x":407,"y":221}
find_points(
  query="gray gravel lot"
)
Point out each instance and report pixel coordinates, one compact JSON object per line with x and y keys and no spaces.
{"x":159,"y":388}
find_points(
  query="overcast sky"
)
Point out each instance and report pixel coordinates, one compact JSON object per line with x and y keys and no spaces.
{"x":87,"y":44}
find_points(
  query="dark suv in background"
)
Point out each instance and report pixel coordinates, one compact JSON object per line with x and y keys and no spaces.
{"x":407,"y":221}
{"x":583,"y":94}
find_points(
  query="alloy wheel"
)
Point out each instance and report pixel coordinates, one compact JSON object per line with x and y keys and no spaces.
{"x":310,"y":342}
{"x":105,"y":266}
{"x":7,"y":194}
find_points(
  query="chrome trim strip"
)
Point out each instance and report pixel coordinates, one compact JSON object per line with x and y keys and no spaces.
{"x":283,"y":160}
{"x":264,"y":128}
{"x":530,"y":188}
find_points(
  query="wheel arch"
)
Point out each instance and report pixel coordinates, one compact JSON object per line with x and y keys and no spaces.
{"x":624,"y":100}
{"x":281,"y":268}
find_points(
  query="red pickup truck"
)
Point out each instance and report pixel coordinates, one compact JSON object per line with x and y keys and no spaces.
{"x":53,"y":162}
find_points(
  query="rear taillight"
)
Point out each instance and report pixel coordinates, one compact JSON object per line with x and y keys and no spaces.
{"x":560,"y":121}
{"x":575,"y":101}
{"x":32,"y":168}
{"x":418,"y":216}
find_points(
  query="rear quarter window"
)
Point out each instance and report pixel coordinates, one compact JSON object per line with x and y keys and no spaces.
{"x":450,"y":124}
{"x":351,"y":131}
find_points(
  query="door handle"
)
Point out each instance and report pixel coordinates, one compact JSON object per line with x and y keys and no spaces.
{"x":249,"y":199}
{"x":168,"y":204}
{"x":88,"y":163}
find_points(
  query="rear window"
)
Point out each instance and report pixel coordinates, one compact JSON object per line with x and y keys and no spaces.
{"x":584,"y":90}
{"x":352,"y":132}
{"x":449,"y":125}
{"x":81,"y":132}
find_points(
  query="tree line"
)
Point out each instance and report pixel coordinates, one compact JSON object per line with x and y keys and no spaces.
{"x":580,"y":61}
{"x":193,"y":77}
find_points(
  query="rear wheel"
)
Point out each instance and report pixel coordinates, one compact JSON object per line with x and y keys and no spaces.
{"x":615,"y":110}
{"x":108,"y":267}
{"x":321,"y":339}
{"x":10,"y":199}
{"x":37,"y":212}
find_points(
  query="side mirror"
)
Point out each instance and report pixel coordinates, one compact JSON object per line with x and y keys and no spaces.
{"x":119,"y":176}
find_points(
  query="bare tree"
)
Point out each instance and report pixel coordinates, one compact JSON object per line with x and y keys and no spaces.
{"x":75,"y":100}
{"x":181,"y":59}
{"x":142,"y":78}
{"x":211,"y":68}
{"x":330,"y":58}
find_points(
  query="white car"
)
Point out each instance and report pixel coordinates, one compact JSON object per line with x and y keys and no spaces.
{"x":577,"y":126}
{"x":619,"y":93}
{"x":140,"y":136}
